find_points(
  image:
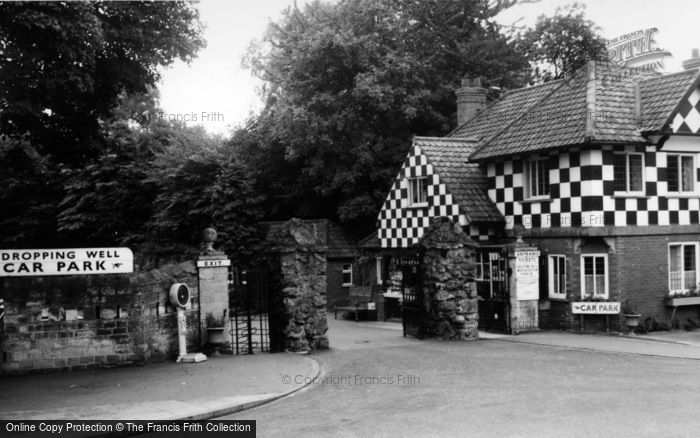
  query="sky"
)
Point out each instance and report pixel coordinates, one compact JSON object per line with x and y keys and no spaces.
{"x":218,"y":93}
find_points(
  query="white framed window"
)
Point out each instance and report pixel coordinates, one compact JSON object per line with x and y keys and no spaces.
{"x":628,"y":173}
{"x":557,"y":276}
{"x":536,"y":175}
{"x":682,"y":266}
{"x":347,"y":275}
{"x":380,"y":279}
{"x":594,"y":275}
{"x":418,"y":191}
{"x":680,"y":173}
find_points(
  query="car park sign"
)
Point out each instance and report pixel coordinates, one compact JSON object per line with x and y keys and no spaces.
{"x":596,"y":308}
{"x":73,"y":261}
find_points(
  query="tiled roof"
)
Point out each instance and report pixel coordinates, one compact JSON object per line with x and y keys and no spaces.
{"x":370,"y":242}
{"x":465,"y":181}
{"x":660,"y":96}
{"x":598,"y":105}
{"x":501,"y":113}
{"x":338,"y":242}
{"x":558,"y":119}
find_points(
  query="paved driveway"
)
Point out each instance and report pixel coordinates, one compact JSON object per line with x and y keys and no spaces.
{"x":378,"y":384}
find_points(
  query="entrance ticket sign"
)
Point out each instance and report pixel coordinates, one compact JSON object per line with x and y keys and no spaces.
{"x":74,"y":261}
{"x":527,"y":274}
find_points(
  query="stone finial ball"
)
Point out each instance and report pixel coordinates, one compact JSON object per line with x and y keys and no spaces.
{"x":209,"y":236}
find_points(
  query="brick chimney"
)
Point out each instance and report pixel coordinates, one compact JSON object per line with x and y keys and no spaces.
{"x":693,"y":62}
{"x":471,"y":98}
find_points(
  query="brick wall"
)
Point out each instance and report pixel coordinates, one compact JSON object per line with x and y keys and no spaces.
{"x":559,"y":316}
{"x":124,"y":319}
{"x":644,"y":274}
{"x":638,"y":271}
{"x":334,"y":281}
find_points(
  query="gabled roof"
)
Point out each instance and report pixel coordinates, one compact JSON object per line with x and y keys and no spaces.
{"x":602,"y":104}
{"x":338,"y":242}
{"x":370,"y":242}
{"x":464,"y":180}
{"x":660,"y":98}
{"x":504,"y":111}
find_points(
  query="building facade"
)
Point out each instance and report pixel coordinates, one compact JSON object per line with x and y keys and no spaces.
{"x":600,"y":170}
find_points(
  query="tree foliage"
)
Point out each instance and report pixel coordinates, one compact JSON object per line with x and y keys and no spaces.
{"x":157,"y":188}
{"x":63,"y":66}
{"x":346,"y":87}
{"x":563,"y":43}
{"x":74,"y":171}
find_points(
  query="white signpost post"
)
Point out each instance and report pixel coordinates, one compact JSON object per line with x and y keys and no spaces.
{"x":73,"y":261}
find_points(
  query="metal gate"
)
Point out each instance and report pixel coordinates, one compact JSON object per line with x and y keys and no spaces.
{"x":492,"y":281}
{"x":250,"y":294}
{"x":413,"y":306}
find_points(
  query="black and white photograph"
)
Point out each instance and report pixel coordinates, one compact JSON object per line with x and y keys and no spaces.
{"x":350,"y":218}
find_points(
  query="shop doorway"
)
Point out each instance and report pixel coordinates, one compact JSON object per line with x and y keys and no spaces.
{"x":404,"y":297}
{"x":492,"y":282}
{"x":413,"y":310}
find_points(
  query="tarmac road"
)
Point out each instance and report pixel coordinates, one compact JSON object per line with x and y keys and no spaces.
{"x":379,"y":384}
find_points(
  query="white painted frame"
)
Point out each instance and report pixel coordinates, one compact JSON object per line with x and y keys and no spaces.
{"x":527,"y":183}
{"x":412,"y":186}
{"x":697,"y":264}
{"x":551,"y":260}
{"x":628,"y":192}
{"x":583,"y":275}
{"x":680,"y":193}
{"x":344,"y":271}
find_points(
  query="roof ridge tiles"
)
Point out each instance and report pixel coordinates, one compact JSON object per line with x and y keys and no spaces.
{"x":506,"y":93}
{"x":668,"y":75}
{"x":517,"y":119}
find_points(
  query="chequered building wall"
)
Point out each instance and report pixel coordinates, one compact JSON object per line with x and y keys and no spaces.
{"x":582,"y":192}
{"x":400,"y":225}
{"x":687,"y":119}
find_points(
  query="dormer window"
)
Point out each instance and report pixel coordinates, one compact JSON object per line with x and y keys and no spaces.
{"x":628,"y":171}
{"x":418,"y":191}
{"x":537,"y":178}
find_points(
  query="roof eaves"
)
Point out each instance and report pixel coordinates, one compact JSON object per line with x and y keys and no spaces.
{"x":432,"y":162}
{"x":688,"y":92}
{"x":488,"y":107}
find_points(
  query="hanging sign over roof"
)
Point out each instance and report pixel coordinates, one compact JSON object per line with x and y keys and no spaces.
{"x":75,"y":261}
{"x":637,"y":50}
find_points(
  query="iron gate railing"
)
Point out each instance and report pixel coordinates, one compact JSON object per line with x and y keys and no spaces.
{"x":413,"y":306}
{"x":249,"y":314}
{"x":493,"y":288}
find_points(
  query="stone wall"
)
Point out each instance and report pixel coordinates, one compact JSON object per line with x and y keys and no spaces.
{"x":299,"y":310}
{"x":80,"y":322}
{"x":449,"y":264}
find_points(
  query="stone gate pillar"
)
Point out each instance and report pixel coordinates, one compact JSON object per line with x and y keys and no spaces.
{"x":299,"y":310}
{"x":449,"y":268}
{"x":213,"y":267}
